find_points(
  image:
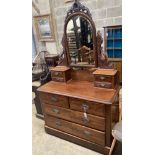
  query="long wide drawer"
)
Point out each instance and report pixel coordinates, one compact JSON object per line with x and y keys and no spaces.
{"x":89,"y":134}
{"x":57,"y":111}
{"x":54,"y":99}
{"x":90,"y":107}
{"x":92,"y":121}
{"x":88,"y":120}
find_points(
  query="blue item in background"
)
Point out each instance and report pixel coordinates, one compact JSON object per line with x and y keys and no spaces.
{"x":110,"y":53}
{"x":118,"y":54}
{"x":110,"y":43}
{"x":110,"y":34}
{"x":118,"y":44}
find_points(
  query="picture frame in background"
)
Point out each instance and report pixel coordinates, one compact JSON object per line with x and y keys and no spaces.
{"x":44,"y":27}
{"x":66,"y":1}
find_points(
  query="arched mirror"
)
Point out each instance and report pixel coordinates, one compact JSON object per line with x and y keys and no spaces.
{"x":81,"y":45}
{"x":80,"y":42}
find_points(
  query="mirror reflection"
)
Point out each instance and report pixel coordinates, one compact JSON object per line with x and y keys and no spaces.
{"x":80,"y":41}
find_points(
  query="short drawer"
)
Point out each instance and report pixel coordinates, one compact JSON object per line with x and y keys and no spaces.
{"x":88,"y":120}
{"x":57,"y":74}
{"x":92,"y":135}
{"x":56,"y":111}
{"x":103,"y":78}
{"x":58,"y":79}
{"x":59,"y":124}
{"x":103,"y":84}
{"x":54,"y":99}
{"x":91,"y":107}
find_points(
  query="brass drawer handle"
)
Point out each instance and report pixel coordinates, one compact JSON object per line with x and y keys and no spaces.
{"x":102,"y":84}
{"x":55,"y":111}
{"x":87,"y":133}
{"x":56,"y":73}
{"x":102,"y":78}
{"x":54,"y":99}
{"x":85,"y":119}
{"x":85,"y":107}
{"x":58,"y":123}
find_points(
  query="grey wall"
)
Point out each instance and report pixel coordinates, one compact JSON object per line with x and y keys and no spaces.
{"x":104,"y":13}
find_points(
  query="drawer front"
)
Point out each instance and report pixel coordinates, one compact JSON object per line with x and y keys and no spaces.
{"x":53,"y":99}
{"x":103,"y":78}
{"x":57,"y":111}
{"x":59,"y":124}
{"x":88,"y":120}
{"x":57,"y":74}
{"x":92,"y":135}
{"x":91,"y":107}
{"x":58,"y":79}
{"x":103,"y":85}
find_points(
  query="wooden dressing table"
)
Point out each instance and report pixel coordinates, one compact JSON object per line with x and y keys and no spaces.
{"x":74,"y":108}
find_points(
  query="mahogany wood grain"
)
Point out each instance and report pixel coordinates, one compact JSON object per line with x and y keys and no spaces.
{"x":80,"y":90}
{"x":111,"y":72}
{"x":77,"y":140}
{"x":57,"y":111}
{"x":103,"y":84}
{"x":93,"y":107}
{"x":83,"y":75}
{"x":59,"y":124}
{"x":108,"y":128}
{"x":103,"y":78}
{"x":54,"y":99}
{"x":76,"y":117}
{"x":92,"y":121}
{"x":92,"y":135}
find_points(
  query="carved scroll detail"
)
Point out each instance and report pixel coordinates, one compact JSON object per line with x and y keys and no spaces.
{"x":78,"y":7}
{"x":102,"y":54}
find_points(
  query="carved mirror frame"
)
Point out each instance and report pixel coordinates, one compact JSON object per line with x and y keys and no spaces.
{"x":77,"y":9}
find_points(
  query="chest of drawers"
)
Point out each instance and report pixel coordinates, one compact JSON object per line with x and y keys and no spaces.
{"x":77,"y":115}
{"x":105,"y":78}
{"x":60,"y":74}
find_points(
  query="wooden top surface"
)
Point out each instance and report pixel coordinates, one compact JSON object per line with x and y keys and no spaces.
{"x":80,"y":89}
{"x":59,"y":68}
{"x":105,"y":71}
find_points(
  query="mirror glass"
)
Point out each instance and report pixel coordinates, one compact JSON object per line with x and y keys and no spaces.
{"x":80,"y":42}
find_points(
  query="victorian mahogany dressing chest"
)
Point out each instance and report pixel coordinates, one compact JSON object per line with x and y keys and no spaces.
{"x":80,"y":104}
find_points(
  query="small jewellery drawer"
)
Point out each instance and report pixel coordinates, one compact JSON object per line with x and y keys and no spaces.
{"x":88,"y":120}
{"x":53,"y":99}
{"x":103,"y":78}
{"x":103,"y":84}
{"x":57,"y":74}
{"x":90,"y":107}
{"x":58,"y":79}
{"x":58,"y":124}
{"x":92,"y":135}
{"x":57,"y":111}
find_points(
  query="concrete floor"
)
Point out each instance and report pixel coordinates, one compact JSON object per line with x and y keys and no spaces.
{"x":45,"y":144}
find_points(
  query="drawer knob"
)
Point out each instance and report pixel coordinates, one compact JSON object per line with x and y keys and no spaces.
{"x":56,"y":73}
{"x":57,"y":123}
{"x":85,"y":107}
{"x":54,"y":99}
{"x":56,"y":111}
{"x":102,"y":85}
{"x":102,"y":78}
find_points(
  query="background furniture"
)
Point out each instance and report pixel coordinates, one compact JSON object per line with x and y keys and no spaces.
{"x":44,"y":61}
{"x":117,"y":130}
{"x":74,"y":109}
{"x":113,"y":46}
{"x":35,"y":86}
